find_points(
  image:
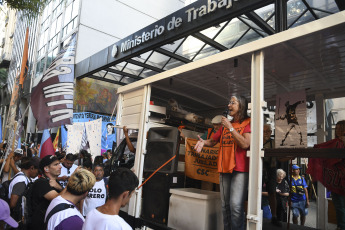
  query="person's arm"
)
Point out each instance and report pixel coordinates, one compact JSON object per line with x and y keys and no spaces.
{"x":63,"y":178}
{"x":201,"y":143}
{"x":128,"y":141}
{"x":13,"y":166}
{"x":306,"y":193}
{"x":242,"y":141}
{"x":8,"y":161}
{"x":52,"y":194}
{"x":13,"y":200}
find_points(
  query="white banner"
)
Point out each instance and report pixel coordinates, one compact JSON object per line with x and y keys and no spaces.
{"x":74,"y":137}
{"x":291,"y":120}
{"x":94,"y":135}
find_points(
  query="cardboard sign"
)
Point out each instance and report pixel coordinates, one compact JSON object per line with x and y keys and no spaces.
{"x":201,"y":166}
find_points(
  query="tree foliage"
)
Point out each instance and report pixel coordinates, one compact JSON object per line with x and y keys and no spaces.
{"x":30,"y":8}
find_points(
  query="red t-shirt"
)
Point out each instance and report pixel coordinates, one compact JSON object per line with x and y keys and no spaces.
{"x":242,"y":161}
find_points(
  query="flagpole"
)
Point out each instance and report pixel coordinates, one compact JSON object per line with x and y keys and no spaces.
{"x":13,"y":139}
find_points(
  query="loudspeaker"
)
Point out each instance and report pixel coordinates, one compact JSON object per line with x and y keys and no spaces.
{"x":162,"y":144}
{"x":155,"y":198}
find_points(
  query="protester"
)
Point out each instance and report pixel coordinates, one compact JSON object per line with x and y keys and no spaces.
{"x":122,"y":184}
{"x":98,"y":194}
{"x":20,"y":182}
{"x":299,"y":196}
{"x":105,"y":155}
{"x":87,"y":164}
{"x":5,"y":217}
{"x":98,"y":160}
{"x":269,"y":174}
{"x":235,"y":140}
{"x":282,"y":190}
{"x":62,"y":213}
{"x":45,"y":189}
{"x":216,"y":123}
{"x":11,"y":166}
{"x":339,"y":200}
{"x":67,"y":169}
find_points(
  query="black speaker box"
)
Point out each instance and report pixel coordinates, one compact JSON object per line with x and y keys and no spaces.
{"x":155,"y":198}
{"x":162,"y":144}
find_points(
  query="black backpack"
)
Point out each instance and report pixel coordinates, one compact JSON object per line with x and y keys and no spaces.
{"x":4,"y":188}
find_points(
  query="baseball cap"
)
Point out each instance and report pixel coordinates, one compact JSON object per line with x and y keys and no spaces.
{"x":47,"y":160}
{"x":295,"y":167}
{"x":217,"y":119}
{"x":5,"y":214}
{"x":18,"y":151}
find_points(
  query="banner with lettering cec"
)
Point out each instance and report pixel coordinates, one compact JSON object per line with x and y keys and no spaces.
{"x":203,"y":165}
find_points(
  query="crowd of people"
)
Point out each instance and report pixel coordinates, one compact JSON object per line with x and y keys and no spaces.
{"x":63,"y":191}
{"x":75,"y":192}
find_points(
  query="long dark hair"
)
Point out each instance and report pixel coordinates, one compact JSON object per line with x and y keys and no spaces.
{"x":242,"y":107}
{"x":342,"y":126}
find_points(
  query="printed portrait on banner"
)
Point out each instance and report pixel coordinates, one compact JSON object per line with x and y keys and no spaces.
{"x":291,"y":120}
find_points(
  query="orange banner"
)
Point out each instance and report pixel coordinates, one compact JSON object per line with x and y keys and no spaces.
{"x":203,"y":165}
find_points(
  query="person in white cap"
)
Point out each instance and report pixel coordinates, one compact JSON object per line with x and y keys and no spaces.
{"x":216,"y":122}
{"x":5,"y":217}
{"x":11,"y":166}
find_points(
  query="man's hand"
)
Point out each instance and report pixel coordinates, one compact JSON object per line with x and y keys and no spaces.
{"x":55,"y":184}
{"x":199,"y":145}
{"x":63,"y":178}
{"x":307,"y":204}
{"x":11,"y":155}
{"x":125,"y":130}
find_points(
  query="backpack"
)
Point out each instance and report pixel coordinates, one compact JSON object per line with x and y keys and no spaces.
{"x":26,"y":210}
{"x":56,"y":209}
{"x":4,"y":189}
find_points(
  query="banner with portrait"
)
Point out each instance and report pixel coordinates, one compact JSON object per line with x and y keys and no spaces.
{"x":291,"y":120}
{"x":108,"y":133}
{"x":201,"y":166}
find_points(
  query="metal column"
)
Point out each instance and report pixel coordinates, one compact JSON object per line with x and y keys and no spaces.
{"x":254,"y":213}
{"x":322,"y":205}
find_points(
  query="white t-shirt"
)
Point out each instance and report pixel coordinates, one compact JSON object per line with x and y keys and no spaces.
{"x":66,"y":172}
{"x":96,"y":220}
{"x":20,"y":178}
{"x":96,"y":197}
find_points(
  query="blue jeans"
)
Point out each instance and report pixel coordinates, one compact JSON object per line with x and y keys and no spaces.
{"x":339,"y":204}
{"x":233,"y":192}
{"x":298,"y":208}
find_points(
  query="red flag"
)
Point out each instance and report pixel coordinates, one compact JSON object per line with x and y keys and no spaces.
{"x":330,"y":172}
{"x":56,"y":140}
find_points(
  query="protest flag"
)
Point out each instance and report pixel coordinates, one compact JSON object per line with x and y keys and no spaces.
{"x":63,"y":137}
{"x":46,"y":145}
{"x":52,"y":98}
{"x":56,"y":140}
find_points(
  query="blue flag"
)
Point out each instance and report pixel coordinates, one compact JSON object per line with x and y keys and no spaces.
{"x":63,"y":137}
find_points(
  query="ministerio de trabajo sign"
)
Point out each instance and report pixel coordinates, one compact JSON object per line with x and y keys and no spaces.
{"x":192,"y":14}
{"x":191,"y":19}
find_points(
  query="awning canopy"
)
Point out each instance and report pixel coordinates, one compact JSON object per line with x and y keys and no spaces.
{"x":224,"y":30}
{"x":310,"y":57}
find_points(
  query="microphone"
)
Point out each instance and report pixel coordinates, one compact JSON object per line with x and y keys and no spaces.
{"x":226,"y":112}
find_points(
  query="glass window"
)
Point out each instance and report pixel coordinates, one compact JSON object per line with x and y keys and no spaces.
{"x":49,"y":59}
{"x":75,"y":8}
{"x":53,"y":29}
{"x":68,"y":14}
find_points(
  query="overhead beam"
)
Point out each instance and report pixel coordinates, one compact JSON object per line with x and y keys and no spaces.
{"x":209,"y":41}
{"x":260,"y":22}
{"x":138,"y":63}
{"x":106,"y":80}
{"x":123,"y":73}
{"x":172,"y":55}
